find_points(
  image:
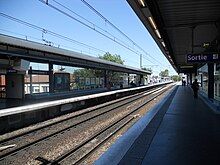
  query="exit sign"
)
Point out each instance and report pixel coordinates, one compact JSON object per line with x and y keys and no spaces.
{"x":200,"y":58}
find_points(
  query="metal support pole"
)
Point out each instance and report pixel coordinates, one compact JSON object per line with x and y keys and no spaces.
{"x":211,"y":80}
{"x":51,"y":78}
{"x":201,"y":80}
{"x":196,"y":71}
{"x":105,"y":78}
{"x":31,"y":88}
{"x":128,"y":79}
{"x":141,"y":79}
{"x":190,"y":78}
{"x":140,"y":60}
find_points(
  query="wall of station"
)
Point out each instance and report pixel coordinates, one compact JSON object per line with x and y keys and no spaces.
{"x":68,"y":78}
{"x":204,"y":80}
{"x":15,"y":86}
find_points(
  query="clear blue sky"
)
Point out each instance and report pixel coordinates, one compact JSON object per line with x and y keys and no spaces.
{"x":116,"y":11}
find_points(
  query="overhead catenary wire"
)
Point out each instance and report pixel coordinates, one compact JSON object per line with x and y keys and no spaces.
{"x":115,"y":27}
{"x":19,"y":34}
{"x":100,"y":27}
{"x":146,"y":58}
{"x":65,"y":7}
{"x":106,"y":20}
{"x":93,"y":24}
{"x":49,"y":32}
{"x":27,"y":37}
{"x":90,"y":27}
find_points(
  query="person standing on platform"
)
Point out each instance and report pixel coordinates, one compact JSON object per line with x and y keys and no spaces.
{"x":183,"y":82}
{"x":195,"y":87}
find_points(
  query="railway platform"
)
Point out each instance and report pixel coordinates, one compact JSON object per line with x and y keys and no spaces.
{"x":45,"y":97}
{"x":178,"y":130}
{"x":14,"y":118}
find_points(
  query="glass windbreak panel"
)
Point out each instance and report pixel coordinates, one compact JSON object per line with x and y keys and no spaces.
{"x":61,"y":81}
{"x":133,"y":80}
{"x":118,"y":79}
{"x":63,"y":78}
{"x":217,"y":82}
{"x":204,"y":82}
{"x":39,"y":66}
{"x":82,"y":78}
{"x":36,"y":84}
{"x":87,"y":78}
{"x":38,"y":81}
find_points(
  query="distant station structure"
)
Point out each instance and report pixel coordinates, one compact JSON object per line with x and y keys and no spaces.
{"x":21,"y":79}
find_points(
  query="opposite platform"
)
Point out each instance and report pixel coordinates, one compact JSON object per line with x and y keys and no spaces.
{"x":184,"y":131}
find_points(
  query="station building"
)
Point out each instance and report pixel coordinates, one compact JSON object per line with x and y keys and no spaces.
{"x":181,"y":128}
{"x":188,"y":38}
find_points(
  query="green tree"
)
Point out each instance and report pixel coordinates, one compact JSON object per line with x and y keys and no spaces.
{"x":114,"y":58}
{"x":176,"y":78}
{"x":85,"y":72}
{"x":147,"y":69}
{"x":99,"y":73}
{"x":113,"y":77}
{"x":164,"y":73}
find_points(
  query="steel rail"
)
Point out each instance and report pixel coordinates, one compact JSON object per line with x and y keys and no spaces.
{"x":14,"y":151}
{"x":61,"y":158}
{"x":71,"y":117}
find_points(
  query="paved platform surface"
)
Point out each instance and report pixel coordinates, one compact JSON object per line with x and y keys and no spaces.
{"x":57,"y":96}
{"x":45,"y":97}
{"x":189,"y":133}
{"x":183,"y":132}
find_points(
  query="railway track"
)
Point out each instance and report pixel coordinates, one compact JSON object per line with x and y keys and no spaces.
{"x":71,"y":156}
{"x":88,"y":110}
{"x":91,"y":115}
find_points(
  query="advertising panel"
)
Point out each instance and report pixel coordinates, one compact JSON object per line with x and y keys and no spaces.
{"x":61,"y":81}
{"x":88,"y":81}
{"x":92,"y":81}
{"x":97,"y":81}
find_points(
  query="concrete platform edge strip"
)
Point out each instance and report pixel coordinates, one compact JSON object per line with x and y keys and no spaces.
{"x":118,"y":150}
{"x":38,"y":106}
{"x":215,"y":108}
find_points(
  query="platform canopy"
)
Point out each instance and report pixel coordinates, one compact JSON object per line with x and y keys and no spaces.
{"x":14,"y":48}
{"x":182,"y":28}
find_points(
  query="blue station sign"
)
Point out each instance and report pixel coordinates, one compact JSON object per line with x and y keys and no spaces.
{"x":201,"y":58}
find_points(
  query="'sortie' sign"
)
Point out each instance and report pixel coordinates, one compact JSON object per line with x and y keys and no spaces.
{"x":201,"y":58}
